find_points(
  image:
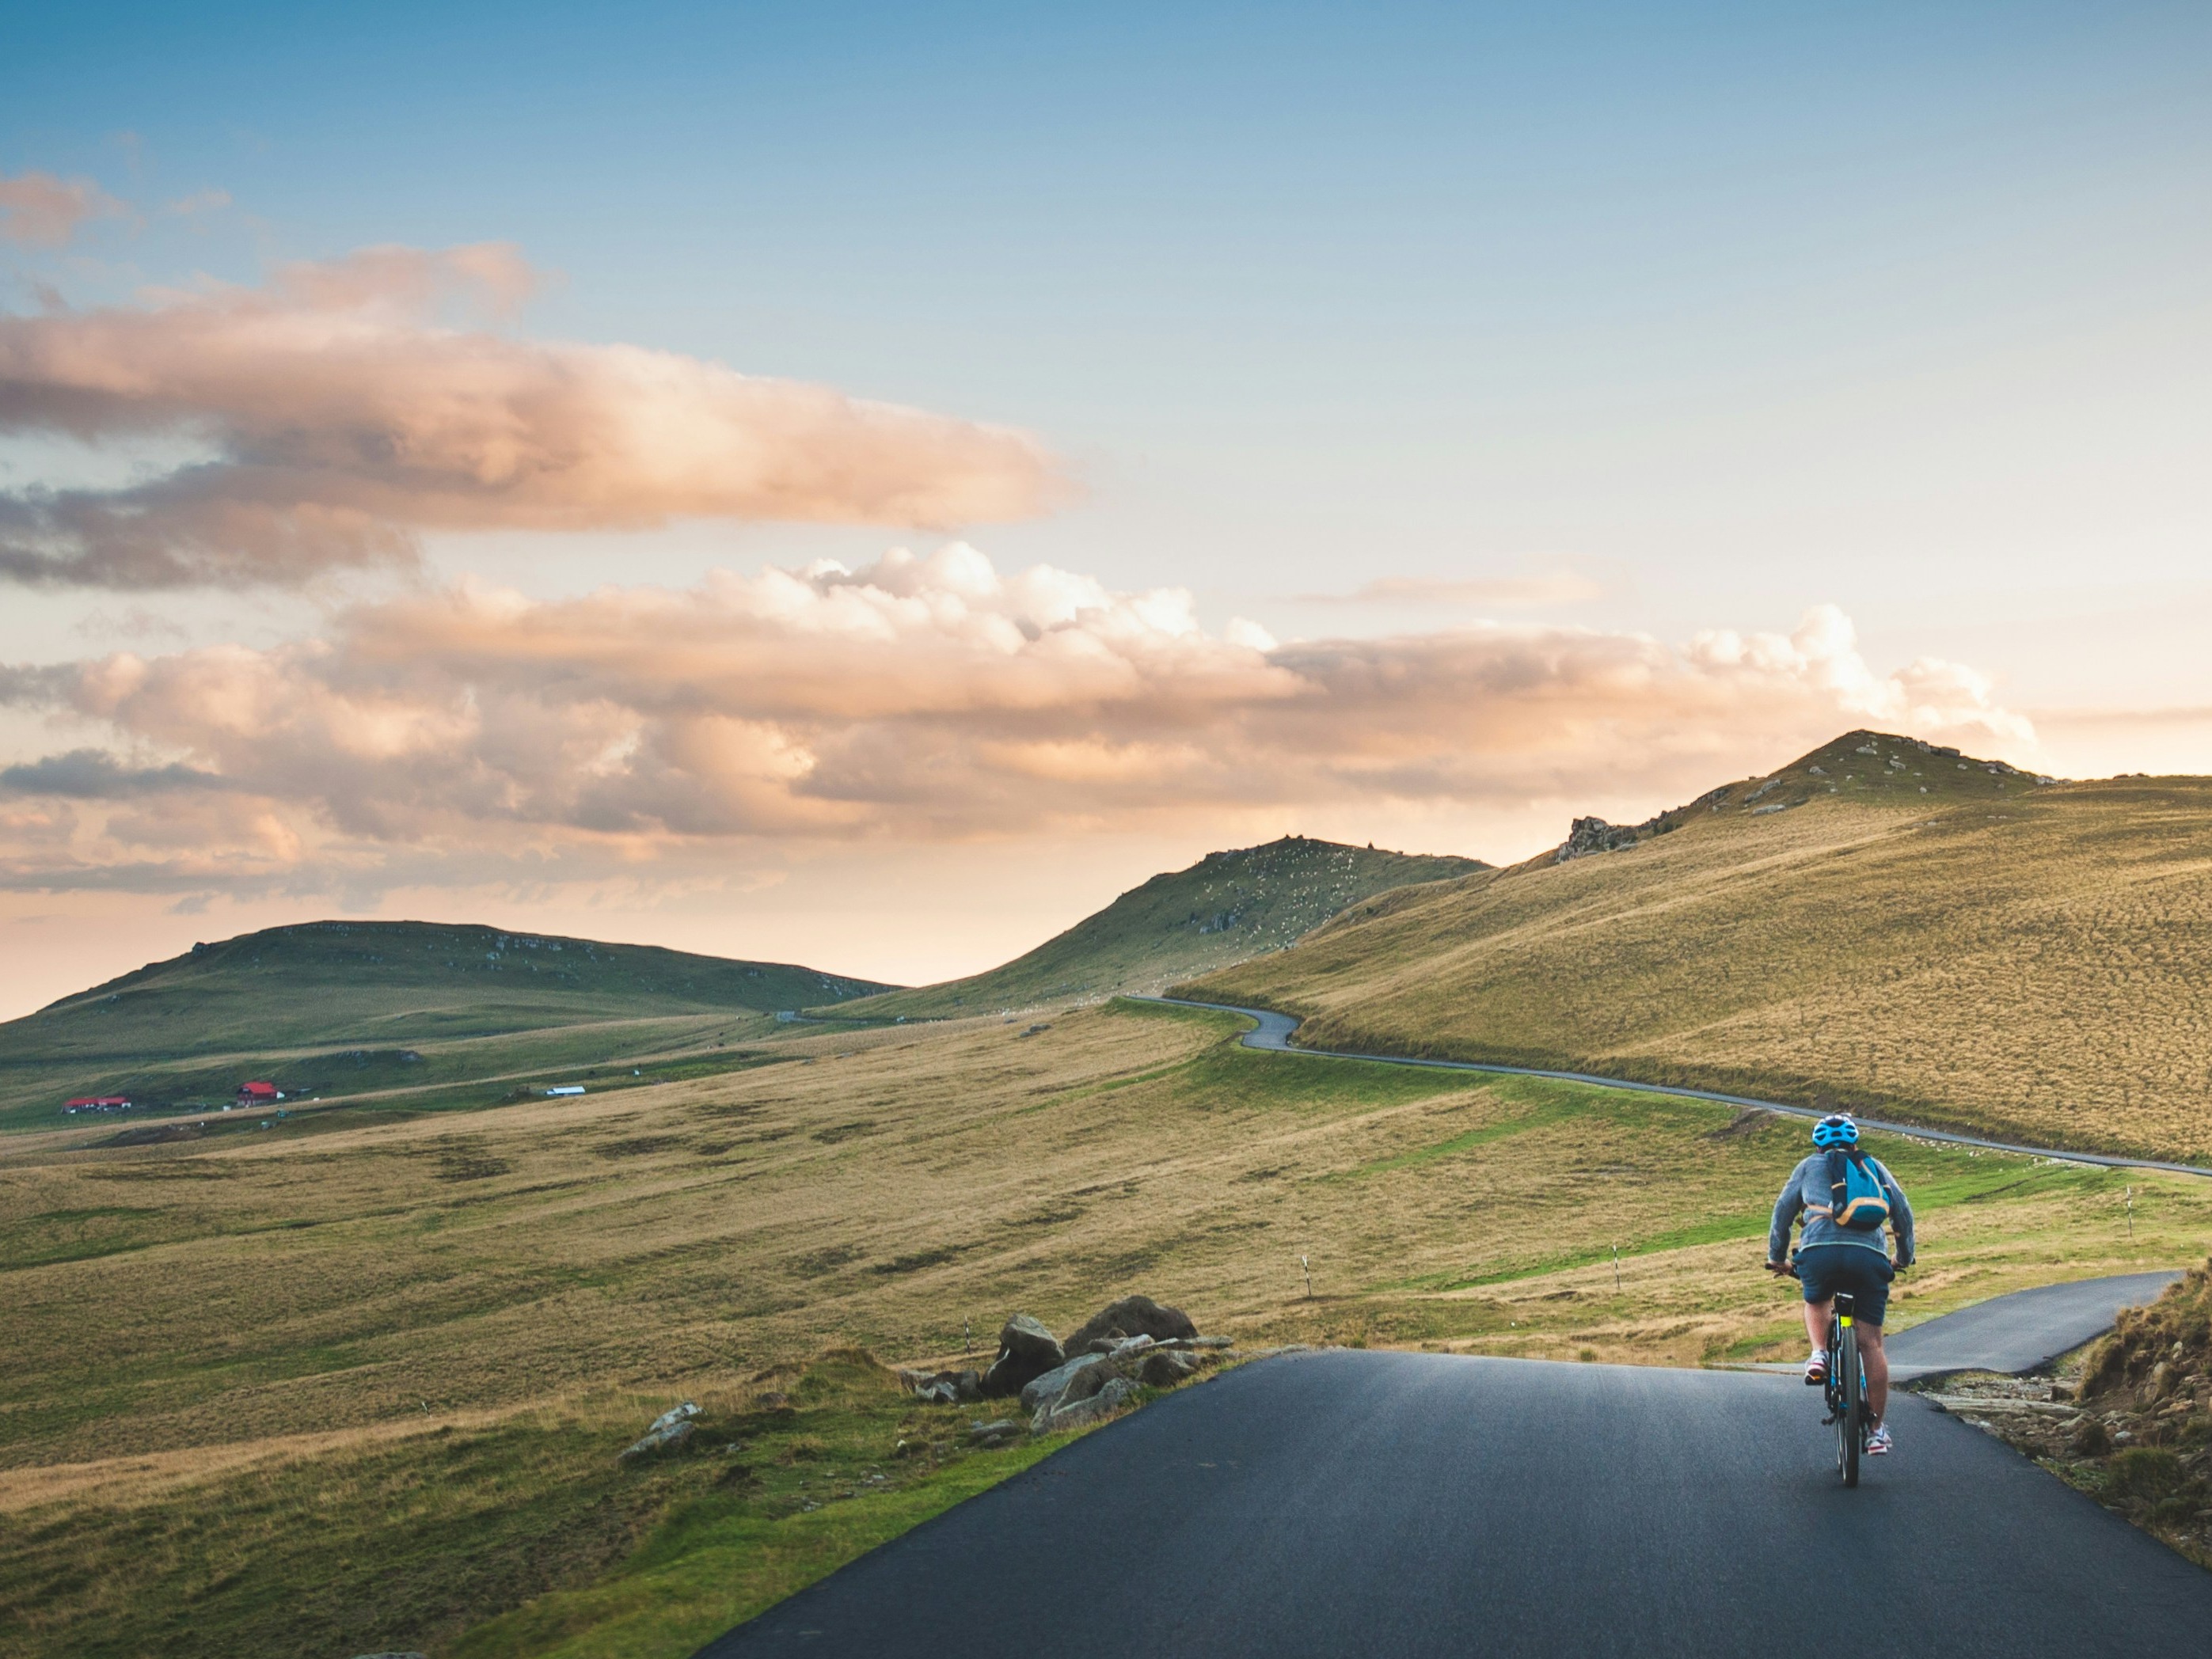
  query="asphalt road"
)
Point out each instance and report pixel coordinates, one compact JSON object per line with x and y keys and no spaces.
{"x":2020,"y":1331}
{"x":1410,"y":1505}
{"x":1274,"y":1033}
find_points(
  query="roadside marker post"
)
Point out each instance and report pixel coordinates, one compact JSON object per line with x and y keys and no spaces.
{"x":1306,"y":1267}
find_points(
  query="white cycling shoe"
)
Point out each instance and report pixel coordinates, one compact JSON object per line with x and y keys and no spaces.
{"x":1879,"y":1444}
{"x":1816,"y":1368}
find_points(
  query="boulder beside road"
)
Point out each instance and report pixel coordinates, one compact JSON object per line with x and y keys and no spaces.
{"x":1163,"y":1367}
{"x":1026,"y":1351}
{"x":1055,"y":1383}
{"x":1112,"y":1394}
{"x":1134,"y":1360}
{"x":1132,"y":1315}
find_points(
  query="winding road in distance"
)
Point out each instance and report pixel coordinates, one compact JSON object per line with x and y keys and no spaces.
{"x":1272,"y":1032}
{"x":1337,"y":1503}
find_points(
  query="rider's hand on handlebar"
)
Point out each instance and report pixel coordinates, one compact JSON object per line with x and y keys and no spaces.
{"x":1777,"y":1266}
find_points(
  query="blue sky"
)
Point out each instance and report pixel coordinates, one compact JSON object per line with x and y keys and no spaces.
{"x":1722,"y":312}
{"x":1714,"y":295}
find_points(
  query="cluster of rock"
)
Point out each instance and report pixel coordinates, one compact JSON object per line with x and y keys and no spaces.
{"x":1133,"y":1343}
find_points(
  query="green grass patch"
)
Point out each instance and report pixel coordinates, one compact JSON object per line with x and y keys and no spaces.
{"x":1225,"y":1024}
{"x":390,"y":1547}
{"x":815,"y":1486}
{"x":409,"y":1544}
{"x":1230,"y":1076}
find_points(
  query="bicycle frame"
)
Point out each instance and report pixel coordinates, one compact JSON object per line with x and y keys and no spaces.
{"x":1845,"y":1391}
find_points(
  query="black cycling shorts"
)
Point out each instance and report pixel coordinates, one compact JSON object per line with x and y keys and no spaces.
{"x":1864,"y":1273}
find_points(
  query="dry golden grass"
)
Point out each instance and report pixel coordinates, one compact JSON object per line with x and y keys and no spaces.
{"x":258,"y":1313}
{"x":881,"y":1190}
{"x":156,"y":1477}
{"x":2038,"y":965}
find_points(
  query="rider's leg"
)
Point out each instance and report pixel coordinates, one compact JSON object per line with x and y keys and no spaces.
{"x":1817,"y":1315}
{"x":1877,"y":1368}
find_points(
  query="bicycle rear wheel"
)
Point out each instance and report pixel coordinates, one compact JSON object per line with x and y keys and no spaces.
{"x":1850,"y":1419}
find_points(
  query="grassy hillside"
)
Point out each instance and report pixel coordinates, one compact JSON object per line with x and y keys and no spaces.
{"x":348,"y":1007}
{"x":356,"y":1384}
{"x":1225,"y":908}
{"x":1940,"y":937}
{"x":355,"y":1381}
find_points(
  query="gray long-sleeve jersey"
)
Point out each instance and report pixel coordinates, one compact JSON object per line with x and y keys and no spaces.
{"x":1806,"y":1193}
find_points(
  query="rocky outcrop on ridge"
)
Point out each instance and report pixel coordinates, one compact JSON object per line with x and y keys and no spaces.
{"x":1589,"y":835}
{"x":1859,"y":765}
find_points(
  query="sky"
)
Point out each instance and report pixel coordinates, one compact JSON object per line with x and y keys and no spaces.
{"x":863,"y":485}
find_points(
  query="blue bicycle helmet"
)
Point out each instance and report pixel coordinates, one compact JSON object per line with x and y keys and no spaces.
{"x":1836,"y":1129}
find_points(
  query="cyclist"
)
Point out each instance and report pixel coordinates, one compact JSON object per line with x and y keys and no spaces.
{"x":1835,"y":1255}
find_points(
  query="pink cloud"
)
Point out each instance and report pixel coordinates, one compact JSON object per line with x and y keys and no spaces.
{"x":475,"y":731}
{"x":344,"y":415}
{"x":43,"y":211}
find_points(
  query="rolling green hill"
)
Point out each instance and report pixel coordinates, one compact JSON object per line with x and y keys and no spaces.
{"x":1881,"y":923}
{"x":1226,"y":908}
{"x":351,"y":1006}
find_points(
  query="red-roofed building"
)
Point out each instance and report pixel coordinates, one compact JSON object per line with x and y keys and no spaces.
{"x":99,"y":1104}
{"x":258,"y":1094}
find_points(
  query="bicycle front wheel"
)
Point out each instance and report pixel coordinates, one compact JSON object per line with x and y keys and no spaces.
{"x":1850,"y":1421}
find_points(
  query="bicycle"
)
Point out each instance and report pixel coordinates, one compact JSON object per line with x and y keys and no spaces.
{"x":1844,"y":1387}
